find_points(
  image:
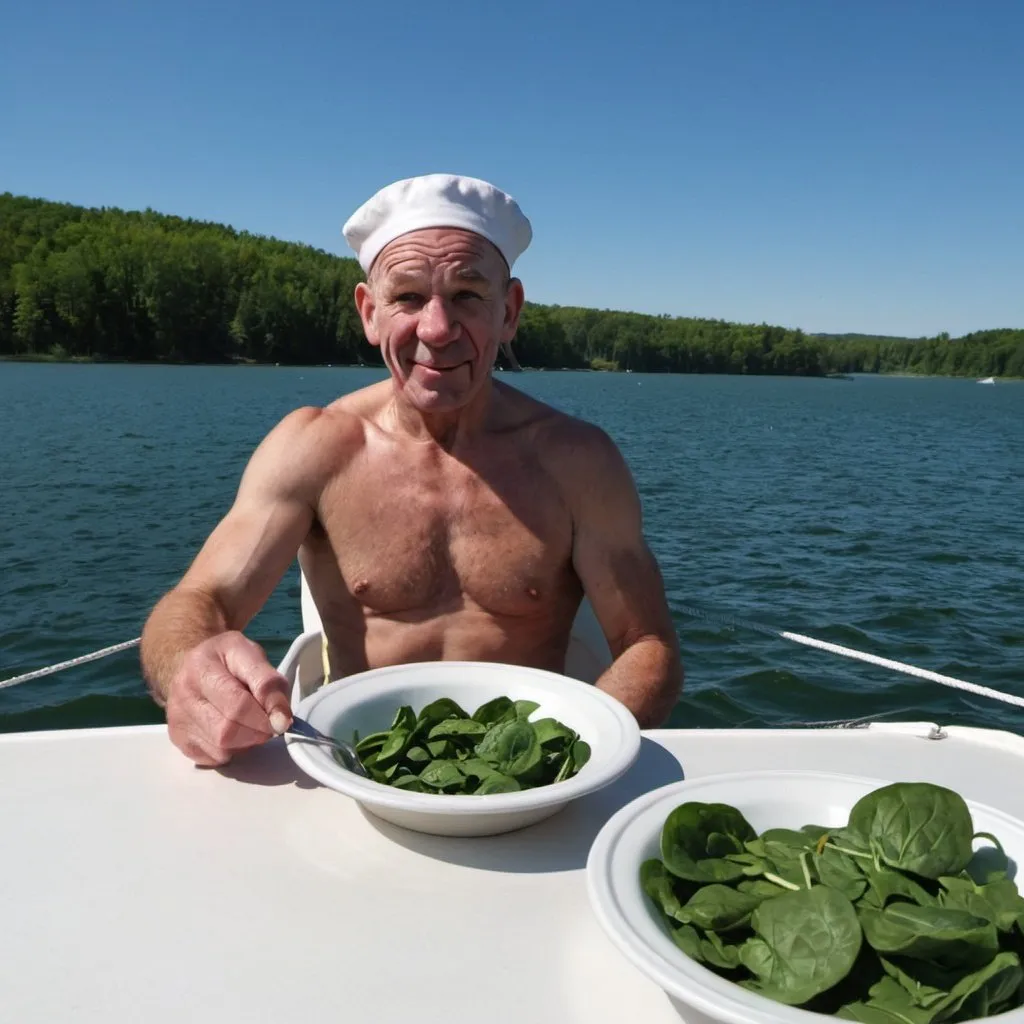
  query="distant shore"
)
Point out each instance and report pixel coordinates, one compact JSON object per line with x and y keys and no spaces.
{"x":46,"y":357}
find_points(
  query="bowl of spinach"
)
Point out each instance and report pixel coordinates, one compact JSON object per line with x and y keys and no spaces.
{"x":783,"y":897}
{"x":467,"y":748}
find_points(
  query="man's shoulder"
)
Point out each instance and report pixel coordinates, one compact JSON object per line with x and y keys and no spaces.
{"x":313,"y":442}
{"x":575,"y":441}
{"x":342,"y":423}
{"x":309,"y":426}
{"x":572,"y":450}
{"x":363,"y":405}
{"x":557,"y":431}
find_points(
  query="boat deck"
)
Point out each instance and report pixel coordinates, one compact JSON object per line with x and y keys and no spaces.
{"x":139,"y":888}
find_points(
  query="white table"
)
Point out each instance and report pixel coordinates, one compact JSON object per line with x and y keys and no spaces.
{"x":137,"y":888}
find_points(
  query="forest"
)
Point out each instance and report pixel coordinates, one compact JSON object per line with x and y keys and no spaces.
{"x":113,"y":285}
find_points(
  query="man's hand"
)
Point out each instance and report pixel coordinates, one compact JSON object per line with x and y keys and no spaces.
{"x":224,"y":698}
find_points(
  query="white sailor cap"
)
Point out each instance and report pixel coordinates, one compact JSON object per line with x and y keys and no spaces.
{"x":438,"y":201}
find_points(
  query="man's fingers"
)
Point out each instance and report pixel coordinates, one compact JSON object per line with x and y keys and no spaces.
{"x":225,"y":734}
{"x":234,"y":701}
{"x":198,"y":752}
{"x":270,"y":689}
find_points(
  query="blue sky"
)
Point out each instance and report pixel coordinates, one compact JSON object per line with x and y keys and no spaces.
{"x":852,"y":166}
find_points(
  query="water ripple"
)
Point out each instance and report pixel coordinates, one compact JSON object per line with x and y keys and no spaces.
{"x":881,"y":515}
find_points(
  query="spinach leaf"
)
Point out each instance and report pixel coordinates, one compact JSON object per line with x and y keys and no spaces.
{"x":984,"y":992}
{"x":551,"y":733}
{"x":805,"y":943}
{"x":439,"y":710}
{"x":525,"y":708}
{"x":371,"y":744}
{"x":724,"y":956}
{"x":458,"y":729}
{"x":657,"y":883}
{"x":511,"y":747}
{"x":684,"y":841}
{"x":719,"y":908}
{"x":761,"y":887}
{"x":921,"y":993}
{"x":943,"y":936}
{"x":840,"y":871}
{"x":689,"y":941}
{"x":888,"y":1003}
{"x":789,"y":864}
{"x":494,"y":711}
{"x":580,"y":754}
{"x":498,"y":783}
{"x":710,"y":950}
{"x":888,"y":884}
{"x":998,"y":902}
{"x":442,"y":775}
{"x":789,"y":837}
{"x":394,"y":747}
{"x":916,"y":827}
{"x":721,"y":845}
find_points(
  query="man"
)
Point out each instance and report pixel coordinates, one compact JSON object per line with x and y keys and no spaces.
{"x":437,"y":515}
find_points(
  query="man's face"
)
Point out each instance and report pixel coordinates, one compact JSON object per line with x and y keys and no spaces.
{"x":438,"y":303}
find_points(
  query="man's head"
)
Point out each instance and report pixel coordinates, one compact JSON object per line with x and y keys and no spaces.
{"x":439,"y":297}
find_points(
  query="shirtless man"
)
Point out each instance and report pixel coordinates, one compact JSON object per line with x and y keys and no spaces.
{"x":437,"y":515}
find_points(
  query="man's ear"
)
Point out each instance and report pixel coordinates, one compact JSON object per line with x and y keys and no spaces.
{"x":514,"y":298}
{"x":366,"y":305}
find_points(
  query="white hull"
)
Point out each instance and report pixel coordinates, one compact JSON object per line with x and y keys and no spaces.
{"x":138,"y":887}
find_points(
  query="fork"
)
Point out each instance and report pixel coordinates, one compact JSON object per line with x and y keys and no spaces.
{"x":349,"y":758}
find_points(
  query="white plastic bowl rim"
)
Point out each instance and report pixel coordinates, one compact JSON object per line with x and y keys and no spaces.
{"x":681,"y":977}
{"x":620,"y":746}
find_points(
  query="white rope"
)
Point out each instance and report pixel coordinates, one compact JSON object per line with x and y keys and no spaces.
{"x":61,"y":665}
{"x":910,"y":670}
{"x":799,"y":638}
{"x":849,"y":652}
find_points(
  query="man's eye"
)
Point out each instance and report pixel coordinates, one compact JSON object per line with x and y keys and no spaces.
{"x":407,"y":297}
{"x":462,"y":296}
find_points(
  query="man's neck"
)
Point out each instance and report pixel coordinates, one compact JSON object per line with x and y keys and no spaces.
{"x":445,"y":429}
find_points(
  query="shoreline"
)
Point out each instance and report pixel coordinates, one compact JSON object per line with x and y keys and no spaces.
{"x":45,"y":357}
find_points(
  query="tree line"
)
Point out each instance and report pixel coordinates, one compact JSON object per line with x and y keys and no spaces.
{"x":143,"y":286}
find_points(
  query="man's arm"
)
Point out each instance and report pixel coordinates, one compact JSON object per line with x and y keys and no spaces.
{"x":621,"y":578}
{"x":220,"y":692}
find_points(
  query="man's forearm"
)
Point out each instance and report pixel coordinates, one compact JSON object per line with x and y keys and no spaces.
{"x":181,"y":620}
{"x":648,"y":678}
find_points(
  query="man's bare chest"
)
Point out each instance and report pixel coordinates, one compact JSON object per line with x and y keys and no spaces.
{"x":421,"y":539}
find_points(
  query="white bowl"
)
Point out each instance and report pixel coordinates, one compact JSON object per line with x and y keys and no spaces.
{"x":368,"y":701}
{"x":769,"y":799}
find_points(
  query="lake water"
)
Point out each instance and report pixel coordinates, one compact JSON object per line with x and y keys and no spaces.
{"x":885,"y":514}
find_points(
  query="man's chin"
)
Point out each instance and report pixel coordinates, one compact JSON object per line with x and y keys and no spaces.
{"x":441,"y":396}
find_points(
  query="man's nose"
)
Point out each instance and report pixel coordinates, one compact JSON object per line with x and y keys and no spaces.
{"x":436,"y":324}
